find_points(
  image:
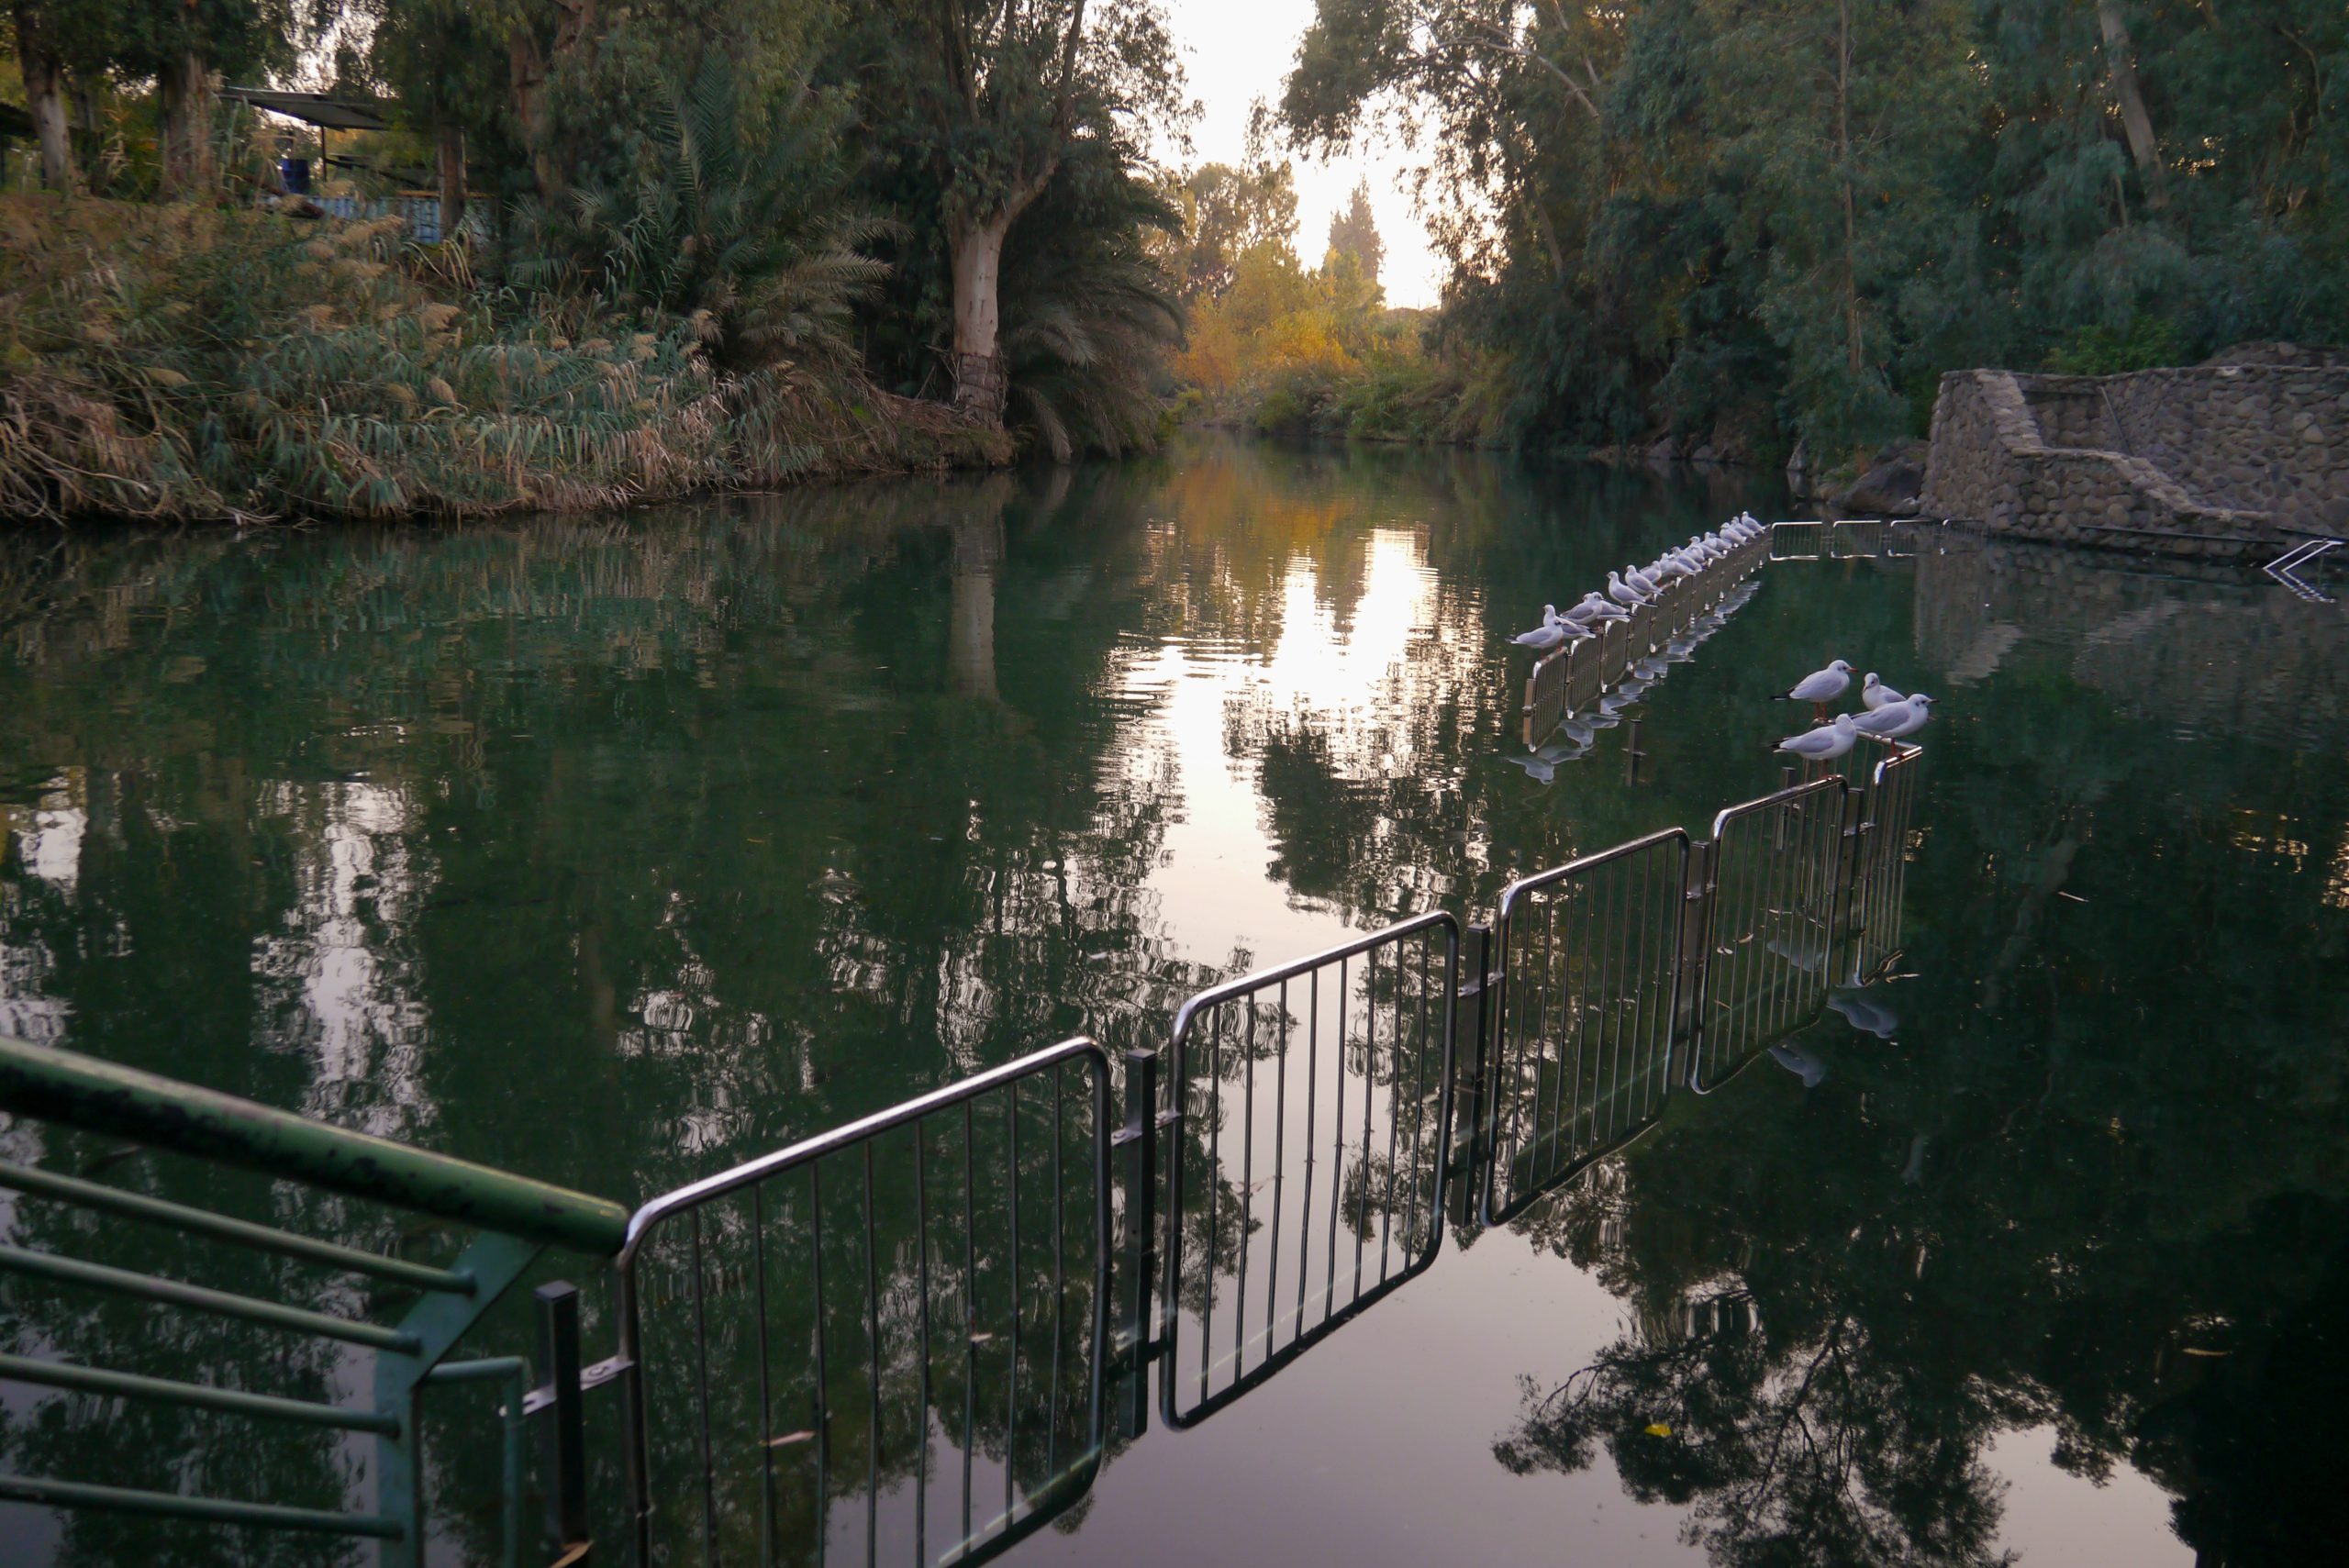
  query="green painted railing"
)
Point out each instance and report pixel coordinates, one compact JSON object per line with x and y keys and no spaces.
{"x":513,"y":1220}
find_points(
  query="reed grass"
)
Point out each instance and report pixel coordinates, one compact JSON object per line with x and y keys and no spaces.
{"x":195,"y":363}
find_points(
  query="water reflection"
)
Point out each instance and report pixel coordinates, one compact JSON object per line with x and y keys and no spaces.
{"x":617,"y":850}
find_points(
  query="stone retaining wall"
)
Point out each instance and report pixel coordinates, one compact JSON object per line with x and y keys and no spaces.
{"x":2233,"y":461}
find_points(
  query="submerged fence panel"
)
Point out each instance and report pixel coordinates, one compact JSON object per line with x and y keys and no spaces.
{"x":885,"y":1343}
{"x":1545,"y":695}
{"x":1796,"y":541}
{"x":1313,"y":1120}
{"x":1880,"y":861}
{"x":1588,"y":955}
{"x":1770,"y":897}
{"x":1584,"y":680}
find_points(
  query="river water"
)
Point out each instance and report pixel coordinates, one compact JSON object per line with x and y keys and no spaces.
{"x":614,"y":852}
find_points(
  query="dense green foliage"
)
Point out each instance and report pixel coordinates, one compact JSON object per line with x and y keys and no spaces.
{"x":771,"y":195}
{"x":179,"y":363}
{"x":1782,"y":220}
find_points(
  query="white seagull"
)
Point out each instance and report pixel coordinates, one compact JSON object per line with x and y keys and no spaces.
{"x":1894,"y":720}
{"x":1622,"y":592}
{"x":1640,"y":580}
{"x":1821,"y":685}
{"x":1544,"y":638}
{"x":1823,"y":744}
{"x":1874,"y":694}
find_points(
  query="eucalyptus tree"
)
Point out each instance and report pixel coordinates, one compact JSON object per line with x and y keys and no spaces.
{"x":184,"y":49}
{"x":440,"y":65}
{"x":42,"y":68}
{"x":1227,"y":211}
{"x":997,"y":98}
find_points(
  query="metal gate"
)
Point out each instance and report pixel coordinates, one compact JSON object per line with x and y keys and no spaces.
{"x":1310,"y":1111}
{"x":915,"y":1305}
{"x":1768,"y":912}
{"x":1588,"y":961}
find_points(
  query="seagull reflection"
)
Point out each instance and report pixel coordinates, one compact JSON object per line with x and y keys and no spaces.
{"x":1810,"y":956}
{"x":1865,"y":1013}
{"x":1800,"y":1063}
{"x":1543,"y":763}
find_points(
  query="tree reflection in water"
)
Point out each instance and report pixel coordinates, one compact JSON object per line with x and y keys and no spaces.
{"x":617,"y":850}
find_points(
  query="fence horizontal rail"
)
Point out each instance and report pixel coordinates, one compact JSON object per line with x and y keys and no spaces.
{"x":106,"y":1096}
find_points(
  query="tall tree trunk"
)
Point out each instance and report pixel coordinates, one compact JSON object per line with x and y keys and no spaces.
{"x":979,"y":385}
{"x":525,"y":80}
{"x":85,"y":120}
{"x":527,"y":69}
{"x":44,"y":96}
{"x":453,"y":180}
{"x":186,"y":91}
{"x":2120,"y":59}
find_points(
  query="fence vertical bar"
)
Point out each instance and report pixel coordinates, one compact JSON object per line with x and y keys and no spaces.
{"x":565,"y":1433}
{"x":1140,"y":1136}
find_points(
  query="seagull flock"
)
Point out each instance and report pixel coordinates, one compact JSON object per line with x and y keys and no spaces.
{"x":1626,"y":591}
{"x":1636,"y":586}
{"x":1884,"y":713}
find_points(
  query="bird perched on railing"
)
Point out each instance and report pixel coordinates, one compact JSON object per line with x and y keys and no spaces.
{"x":1823,"y":744}
{"x":1550,"y":634}
{"x":1622,"y":592}
{"x":1895,"y":719}
{"x":1874,"y":694}
{"x":1819,"y":687}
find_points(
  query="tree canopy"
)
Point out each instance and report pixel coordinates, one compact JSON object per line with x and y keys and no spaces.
{"x":1783,"y":220}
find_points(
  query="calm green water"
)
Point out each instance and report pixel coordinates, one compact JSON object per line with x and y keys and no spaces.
{"x":617,"y":851}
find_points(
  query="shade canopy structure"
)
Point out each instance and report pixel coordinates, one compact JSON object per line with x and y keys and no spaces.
{"x":311,"y":108}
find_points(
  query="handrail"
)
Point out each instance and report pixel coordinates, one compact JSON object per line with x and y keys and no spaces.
{"x":204,"y":1222}
{"x":750,"y":1171}
{"x":1540,"y":879}
{"x":202,"y":1298}
{"x":202,"y":1396}
{"x":106,"y":1096}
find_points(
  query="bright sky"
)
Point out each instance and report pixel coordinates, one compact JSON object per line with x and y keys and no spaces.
{"x":1239,"y":51}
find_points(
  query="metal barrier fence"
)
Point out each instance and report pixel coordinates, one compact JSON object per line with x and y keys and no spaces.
{"x":815,"y":1327}
{"x":1767,"y":896}
{"x":513,"y":1220}
{"x":1589,"y":957}
{"x":893,"y":1340}
{"x":1309,"y":1111}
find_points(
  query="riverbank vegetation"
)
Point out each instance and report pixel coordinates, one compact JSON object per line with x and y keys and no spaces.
{"x":1687,"y":223}
{"x":692,"y":244}
{"x":706,"y":243}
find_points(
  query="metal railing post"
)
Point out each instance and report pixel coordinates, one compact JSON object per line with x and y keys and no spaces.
{"x":1696,"y":943}
{"x":1139,"y":1137}
{"x":1471,"y":1018}
{"x":1859,"y":808}
{"x":562,"y":1439}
